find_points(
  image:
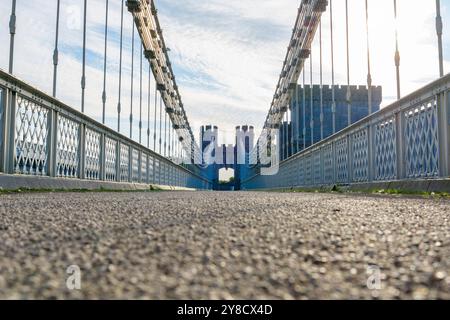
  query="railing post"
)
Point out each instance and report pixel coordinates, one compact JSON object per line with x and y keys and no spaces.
{"x":130,"y":163}
{"x":103,"y":157}
{"x":52,"y":143}
{"x":159,"y":168}
{"x":322,"y":166}
{"x":140,"y":166}
{"x":370,"y":153}
{"x":10,"y":131}
{"x":3,"y":128}
{"x":147,"y":178}
{"x":400,"y":145}
{"x":444,"y":133}
{"x":82,"y":157}
{"x":333,"y":152}
{"x":118,"y":161}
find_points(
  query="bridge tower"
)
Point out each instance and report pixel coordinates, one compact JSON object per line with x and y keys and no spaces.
{"x":209,"y":136}
{"x":245,"y":136}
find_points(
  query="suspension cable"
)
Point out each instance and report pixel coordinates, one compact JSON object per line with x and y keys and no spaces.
{"x":397,"y":52}
{"x":160,"y":123}
{"x":439,"y":28}
{"x":55,"y":52}
{"x":165,"y":134}
{"x":333,"y":94}
{"x":304,"y":109}
{"x":155,"y":117}
{"x":292,"y":127}
{"x":369,"y":76}
{"x":149,"y":105}
{"x":173,"y":140}
{"x":83,"y":77}
{"x":119,"y":104}
{"x":12,"y":32}
{"x":104,"y":64}
{"x":311,"y":96}
{"x":287,"y":133}
{"x":140,"y":96}
{"x":349,"y":92}
{"x":170,"y":138}
{"x":321,"y":81}
{"x":132,"y":82}
{"x":297,"y":117}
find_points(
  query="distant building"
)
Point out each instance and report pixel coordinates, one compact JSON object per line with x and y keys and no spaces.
{"x":298,"y":130}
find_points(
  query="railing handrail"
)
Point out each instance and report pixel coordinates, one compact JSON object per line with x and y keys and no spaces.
{"x":14,"y":83}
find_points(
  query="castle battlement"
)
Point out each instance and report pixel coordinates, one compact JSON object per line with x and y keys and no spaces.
{"x":358,"y":93}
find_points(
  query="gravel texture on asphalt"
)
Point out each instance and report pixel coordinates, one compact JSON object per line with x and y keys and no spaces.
{"x":210,"y":245}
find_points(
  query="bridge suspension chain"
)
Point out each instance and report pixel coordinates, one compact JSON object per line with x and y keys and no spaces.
{"x":147,"y":23}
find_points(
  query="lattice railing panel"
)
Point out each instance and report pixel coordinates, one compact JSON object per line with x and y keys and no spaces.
{"x":342,"y":160}
{"x":150,"y":170}
{"x":143,"y":168}
{"x":317,"y":161}
{"x":92,"y":154}
{"x":135,"y":165}
{"x":328,"y":164}
{"x":110,"y":159}
{"x":163,"y":173}
{"x":360,"y":158}
{"x":124,"y":162}
{"x":421,"y":141}
{"x":157,"y":172}
{"x":301,"y":172}
{"x":293,"y":174}
{"x":67,"y":148}
{"x":30,"y":140}
{"x":308,"y":170}
{"x":385,"y":150}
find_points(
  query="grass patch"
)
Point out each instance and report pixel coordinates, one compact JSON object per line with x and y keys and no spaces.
{"x":101,"y":189}
{"x":412,"y":193}
{"x":335,"y":189}
{"x":340,"y":190}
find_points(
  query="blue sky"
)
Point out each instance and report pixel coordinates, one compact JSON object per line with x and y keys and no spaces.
{"x":226,"y":55}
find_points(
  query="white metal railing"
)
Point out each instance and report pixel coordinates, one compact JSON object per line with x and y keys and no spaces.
{"x":41,"y":136}
{"x":409,"y":139}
